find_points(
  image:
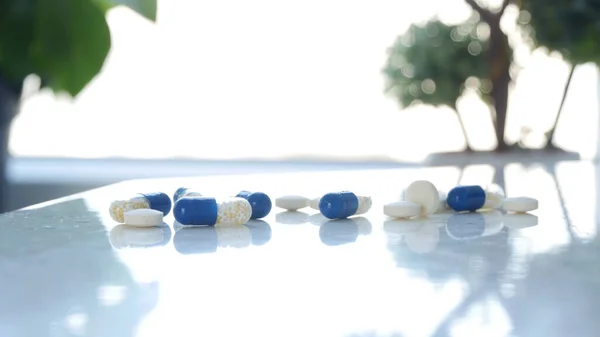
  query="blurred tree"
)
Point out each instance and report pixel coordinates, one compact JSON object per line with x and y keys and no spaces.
{"x":570,"y":27}
{"x":435,"y":63}
{"x":63,"y":42}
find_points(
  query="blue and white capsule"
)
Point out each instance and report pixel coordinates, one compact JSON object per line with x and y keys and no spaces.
{"x":473,"y":198}
{"x":260,"y":202}
{"x":157,"y":200}
{"x":208,"y":211}
{"x":183,"y":192}
{"x":341,"y":205}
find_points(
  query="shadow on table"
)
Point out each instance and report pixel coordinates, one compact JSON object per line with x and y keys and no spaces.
{"x":59,"y":276}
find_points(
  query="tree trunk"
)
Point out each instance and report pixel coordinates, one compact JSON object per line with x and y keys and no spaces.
{"x":500,"y":77}
{"x":550,"y":133}
{"x":463,"y":129}
{"x":9,"y":106}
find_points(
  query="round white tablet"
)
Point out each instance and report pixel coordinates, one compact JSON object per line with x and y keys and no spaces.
{"x":314,"y":203}
{"x":143,"y":217}
{"x":291,"y":202}
{"x":424,"y":193}
{"x":520,"y":204}
{"x":402,"y":209}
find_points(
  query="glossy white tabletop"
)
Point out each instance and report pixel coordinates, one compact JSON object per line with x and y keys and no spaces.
{"x":66,"y":269}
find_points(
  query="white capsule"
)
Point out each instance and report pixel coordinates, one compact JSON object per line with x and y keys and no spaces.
{"x":493,"y":200}
{"x":423,"y":193}
{"x":291,"y":202}
{"x":314,"y":203}
{"x":364,"y":205}
{"x":402,"y":209}
{"x":143,"y":217}
{"x":520,"y":204}
{"x":443,"y":206}
{"x":233,"y":211}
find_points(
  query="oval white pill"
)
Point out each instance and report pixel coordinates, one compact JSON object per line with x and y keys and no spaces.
{"x":314,"y":203}
{"x":402,"y":209}
{"x":291,"y":202}
{"x":520,"y":204}
{"x":424,"y":193}
{"x":143,"y":217}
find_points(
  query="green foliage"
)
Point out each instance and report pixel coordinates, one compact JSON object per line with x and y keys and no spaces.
{"x":571,"y":27}
{"x":433,"y":64}
{"x":65,"y":42}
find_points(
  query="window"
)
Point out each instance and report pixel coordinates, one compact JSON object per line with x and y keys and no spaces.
{"x":275,"y":79}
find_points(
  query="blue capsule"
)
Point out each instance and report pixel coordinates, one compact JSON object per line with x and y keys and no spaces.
{"x":199,"y":211}
{"x":260,"y":203}
{"x":466,"y":198}
{"x":207,"y":211}
{"x":184,"y":191}
{"x":339,"y":205}
{"x":157,"y":201}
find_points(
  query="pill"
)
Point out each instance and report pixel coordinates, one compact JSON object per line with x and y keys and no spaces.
{"x":259,"y":201}
{"x":314,"y":203}
{"x":402,"y":209}
{"x":340,"y":205}
{"x":520,"y":204}
{"x":291,"y":202}
{"x":184,"y":191}
{"x":472,"y":198}
{"x":425,"y":194}
{"x":158,"y":201}
{"x":208,"y":211}
{"x":143,"y":217}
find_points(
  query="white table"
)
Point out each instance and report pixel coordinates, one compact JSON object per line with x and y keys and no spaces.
{"x":66,"y":269}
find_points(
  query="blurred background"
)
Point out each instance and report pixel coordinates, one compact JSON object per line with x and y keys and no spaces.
{"x":234,"y":86}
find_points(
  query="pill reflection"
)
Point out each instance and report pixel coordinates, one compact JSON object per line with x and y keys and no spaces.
{"x":317,"y":219}
{"x":520,"y":221}
{"x":260,"y":232}
{"x":343,"y":231}
{"x":465,"y":226}
{"x":291,"y":218}
{"x":207,"y":239}
{"x":196,"y":240}
{"x":420,"y":235}
{"x":123,"y":236}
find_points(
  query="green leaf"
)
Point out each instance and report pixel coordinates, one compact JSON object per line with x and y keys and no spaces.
{"x":146,"y":8}
{"x":71,"y":43}
{"x":16,"y":17}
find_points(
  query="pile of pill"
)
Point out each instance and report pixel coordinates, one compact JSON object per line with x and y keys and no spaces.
{"x":190,"y":208}
{"x":420,"y":199}
{"x":336,"y":205}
